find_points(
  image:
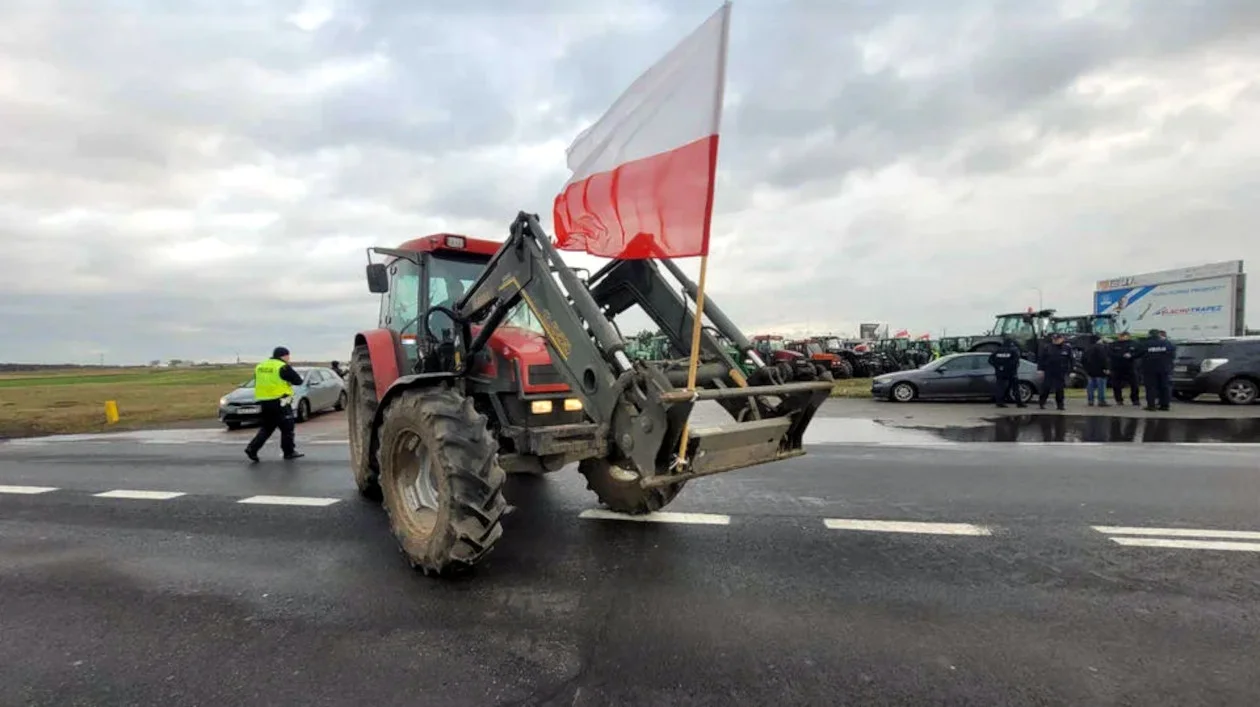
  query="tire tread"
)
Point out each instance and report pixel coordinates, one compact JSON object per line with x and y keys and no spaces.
{"x":468,"y":456}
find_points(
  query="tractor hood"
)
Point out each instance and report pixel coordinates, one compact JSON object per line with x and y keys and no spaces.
{"x":526,"y":351}
{"x":521,"y":344}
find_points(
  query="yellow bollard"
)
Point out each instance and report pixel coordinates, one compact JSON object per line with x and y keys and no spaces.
{"x":111,"y":411}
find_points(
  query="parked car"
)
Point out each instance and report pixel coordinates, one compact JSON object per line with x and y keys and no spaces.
{"x":960,"y":376}
{"x":321,"y":389}
{"x":1227,"y":367}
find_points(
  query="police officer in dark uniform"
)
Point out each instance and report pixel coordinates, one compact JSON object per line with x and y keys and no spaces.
{"x":1123,"y":355}
{"x":1055,"y":361}
{"x":273,"y":389}
{"x":1005,"y":361}
{"x":1157,"y":354}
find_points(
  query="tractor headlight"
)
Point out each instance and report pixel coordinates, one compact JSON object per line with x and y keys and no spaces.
{"x":572,"y":404}
{"x":540,"y":407}
{"x":223,"y":401}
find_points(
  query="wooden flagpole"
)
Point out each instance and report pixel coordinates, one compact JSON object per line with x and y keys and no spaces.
{"x":694,"y":358}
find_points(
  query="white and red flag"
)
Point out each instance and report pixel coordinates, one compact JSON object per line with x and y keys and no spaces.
{"x":902,"y":334}
{"x":644,"y":173}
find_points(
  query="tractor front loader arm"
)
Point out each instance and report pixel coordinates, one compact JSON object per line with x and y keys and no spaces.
{"x":585,"y":347}
{"x":639,"y":407}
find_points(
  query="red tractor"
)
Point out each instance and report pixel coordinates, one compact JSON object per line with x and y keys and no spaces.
{"x":493,"y":358}
{"x":775,"y":349}
{"x":824,"y":360}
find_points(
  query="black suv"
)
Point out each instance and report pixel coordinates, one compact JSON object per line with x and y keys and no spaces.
{"x":1228,"y":367}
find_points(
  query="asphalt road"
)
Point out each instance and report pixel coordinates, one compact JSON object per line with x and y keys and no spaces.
{"x":863,"y":573}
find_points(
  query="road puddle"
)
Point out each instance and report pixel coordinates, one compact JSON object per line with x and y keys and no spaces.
{"x":1102,"y":428}
{"x":854,"y":430}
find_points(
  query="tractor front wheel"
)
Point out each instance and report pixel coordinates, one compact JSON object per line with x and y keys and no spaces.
{"x":619,"y":488}
{"x":441,"y":480}
{"x":360,"y":409}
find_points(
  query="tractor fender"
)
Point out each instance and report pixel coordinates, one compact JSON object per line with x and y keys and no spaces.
{"x":403,"y":384}
{"x":385,"y":348}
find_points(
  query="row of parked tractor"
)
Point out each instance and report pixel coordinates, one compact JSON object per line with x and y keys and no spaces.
{"x":862,"y":358}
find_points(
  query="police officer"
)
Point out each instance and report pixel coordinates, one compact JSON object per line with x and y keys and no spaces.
{"x":274,"y":379}
{"x":336,"y":367}
{"x":1055,"y":361}
{"x":1123,"y":354}
{"x":1005,"y":362}
{"x":1157,"y":354}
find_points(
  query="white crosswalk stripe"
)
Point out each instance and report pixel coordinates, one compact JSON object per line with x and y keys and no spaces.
{"x":140,"y":495}
{"x":1182,"y":538}
{"x":901,"y":526}
{"x":1187,"y":544}
{"x":659,"y":517}
{"x":26,"y":490}
{"x":1178,"y":532}
{"x":288,"y":501}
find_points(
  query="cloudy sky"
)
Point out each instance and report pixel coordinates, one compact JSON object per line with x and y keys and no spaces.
{"x":199,"y":178}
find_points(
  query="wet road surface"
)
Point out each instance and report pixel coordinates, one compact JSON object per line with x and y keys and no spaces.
{"x":164,"y":569}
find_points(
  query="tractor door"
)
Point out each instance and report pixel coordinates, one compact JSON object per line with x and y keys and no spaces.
{"x":400,"y":308}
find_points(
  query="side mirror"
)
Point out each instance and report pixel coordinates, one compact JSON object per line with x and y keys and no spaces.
{"x":378,"y":278}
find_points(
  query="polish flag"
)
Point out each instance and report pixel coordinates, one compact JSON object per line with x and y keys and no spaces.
{"x":643,"y":174}
{"x":925,"y":337}
{"x":903,"y":334}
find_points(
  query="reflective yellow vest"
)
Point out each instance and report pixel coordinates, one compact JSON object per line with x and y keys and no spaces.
{"x":268,"y":385}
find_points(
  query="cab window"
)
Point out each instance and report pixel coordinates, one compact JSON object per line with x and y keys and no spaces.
{"x":1014,"y":326}
{"x":449,"y":279}
{"x":1066,"y":326}
{"x":403,"y":303}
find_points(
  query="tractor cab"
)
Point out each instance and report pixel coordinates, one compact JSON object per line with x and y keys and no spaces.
{"x":431,"y":274}
{"x":772,"y":347}
{"x":1103,"y":325}
{"x":1023,"y":326}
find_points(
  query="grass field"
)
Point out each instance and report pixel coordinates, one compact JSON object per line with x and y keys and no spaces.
{"x":52,"y":402}
{"x":73,"y":401}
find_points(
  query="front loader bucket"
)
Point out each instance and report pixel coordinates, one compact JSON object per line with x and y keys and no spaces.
{"x":778,"y":433}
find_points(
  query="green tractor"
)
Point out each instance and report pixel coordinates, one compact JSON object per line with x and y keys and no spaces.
{"x":1033,"y":329}
{"x":649,"y":348}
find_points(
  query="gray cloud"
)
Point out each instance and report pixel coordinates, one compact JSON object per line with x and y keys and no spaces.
{"x":196,"y":179}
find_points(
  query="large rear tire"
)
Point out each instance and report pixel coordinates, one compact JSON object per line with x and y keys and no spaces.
{"x":619,"y":488}
{"x":441,"y":480}
{"x":360,"y":409}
